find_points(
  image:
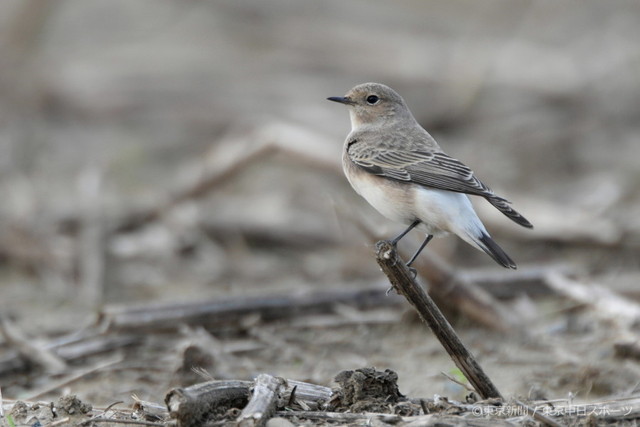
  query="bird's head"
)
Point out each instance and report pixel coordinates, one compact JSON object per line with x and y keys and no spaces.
{"x":373,"y":103}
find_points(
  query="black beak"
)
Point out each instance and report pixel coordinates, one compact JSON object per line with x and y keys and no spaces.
{"x":341,"y":100}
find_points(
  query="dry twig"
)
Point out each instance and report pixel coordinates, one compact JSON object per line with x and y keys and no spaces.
{"x":231,"y":312}
{"x":457,"y":291}
{"x":235,"y":154}
{"x":402,"y":280}
{"x":118,"y":421}
{"x":262,"y":405}
{"x":60,"y":422}
{"x":607,"y":305}
{"x":192,"y":406}
{"x":72,"y":347}
{"x":67,"y":379}
{"x":29,"y":350}
{"x":341,"y":417}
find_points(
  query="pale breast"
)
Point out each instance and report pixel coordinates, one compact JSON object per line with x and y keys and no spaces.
{"x":392,"y":199}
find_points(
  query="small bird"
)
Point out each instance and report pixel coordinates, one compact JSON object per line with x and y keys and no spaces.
{"x":391,"y":161}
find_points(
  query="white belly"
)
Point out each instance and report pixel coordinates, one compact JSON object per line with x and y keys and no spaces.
{"x":446,"y":211}
{"x":439,"y":211}
{"x":390,"y":199}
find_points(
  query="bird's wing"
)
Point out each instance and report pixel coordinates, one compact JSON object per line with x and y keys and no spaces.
{"x":430,"y":168}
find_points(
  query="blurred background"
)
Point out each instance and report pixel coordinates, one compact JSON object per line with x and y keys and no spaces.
{"x":162,"y":151}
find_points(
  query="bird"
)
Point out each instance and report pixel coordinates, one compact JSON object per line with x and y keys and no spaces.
{"x":397,"y":166}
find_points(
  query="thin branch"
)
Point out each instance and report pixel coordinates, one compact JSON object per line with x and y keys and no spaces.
{"x":264,"y":400}
{"x":456,"y":381}
{"x":537,"y":415}
{"x":231,"y":311}
{"x":29,"y":350}
{"x":67,"y":379}
{"x":341,"y":417}
{"x":402,"y":280}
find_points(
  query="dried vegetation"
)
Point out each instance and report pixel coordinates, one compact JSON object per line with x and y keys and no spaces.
{"x":174,"y":218}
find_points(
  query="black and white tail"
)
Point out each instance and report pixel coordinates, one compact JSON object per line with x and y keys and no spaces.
{"x":503,"y":206}
{"x":487,"y":244}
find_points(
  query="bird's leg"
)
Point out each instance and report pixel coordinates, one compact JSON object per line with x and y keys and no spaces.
{"x":415,"y":255}
{"x":413,"y":258}
{"x":395,"y":241}
{"x":413,"y":225}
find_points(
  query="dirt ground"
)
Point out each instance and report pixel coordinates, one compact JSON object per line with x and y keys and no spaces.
{"x":154,"y":154}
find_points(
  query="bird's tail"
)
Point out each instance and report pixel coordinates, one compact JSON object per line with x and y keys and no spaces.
{"x":487,"y":244}
{"x":503,"y":206}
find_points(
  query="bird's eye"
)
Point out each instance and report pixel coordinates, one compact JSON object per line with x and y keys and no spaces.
{"x":372,"y":99}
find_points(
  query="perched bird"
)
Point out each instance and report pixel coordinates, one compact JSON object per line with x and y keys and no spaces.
{"x":395,"y":164}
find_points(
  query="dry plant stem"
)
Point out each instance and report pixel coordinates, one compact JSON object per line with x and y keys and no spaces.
{"x":626,"y":408}
{"x":192,"y":406}
{"x":70,"y":350}
{"x":309,"y":393}
{"x":198,"y":189}
{"x":71,"y":377}
{"x":437,"y":420}
{"x":232,"y":311}
{"x":430,"y":420}
{"x":117,"y":421}
{"x":233,"y":157}
{"x":455,"y":381}
{"x":263,"y":403}
{"x":456,"y":291}
{"x":29,"y":350}
{"x":607,"y":305}
{"x":340,"y":417}
{"x":62,"y":422}
{"x":529,"y":280}
{"x":145,"y":410}
{"x":402,"y":280}
{"x":96,"y":344}
{"x":538,"y":416}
